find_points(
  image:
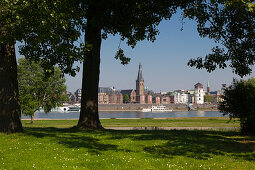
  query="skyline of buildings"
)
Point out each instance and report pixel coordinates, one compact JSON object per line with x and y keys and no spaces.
{"x":142,"y":95}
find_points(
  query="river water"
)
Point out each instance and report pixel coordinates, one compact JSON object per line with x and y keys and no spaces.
{"x":126,"y":114}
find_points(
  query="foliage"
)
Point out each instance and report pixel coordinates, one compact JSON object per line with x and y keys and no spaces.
{"x":208,"y":98}
{"x":238,"y":102}
{"x":37,"y":91}
{"x":48,"y":33}
{"x":126,"y":98}
{"x":230,"y":23}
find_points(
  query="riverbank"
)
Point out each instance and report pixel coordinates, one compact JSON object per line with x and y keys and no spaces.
{"x":127,"y":114}
{"x":174,"y":110}
{"x":139,"y":107}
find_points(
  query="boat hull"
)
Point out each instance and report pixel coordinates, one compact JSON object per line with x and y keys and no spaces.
{"x":158,"y":108}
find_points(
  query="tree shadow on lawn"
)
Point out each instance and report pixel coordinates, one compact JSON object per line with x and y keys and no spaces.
{"x":71,"y":137}
{"x":196,"y":144}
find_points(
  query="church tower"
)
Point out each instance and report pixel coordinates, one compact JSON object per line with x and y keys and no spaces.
{"x":140,"y":97}
{"x":199,"y":94}
{"x":208,"y":87}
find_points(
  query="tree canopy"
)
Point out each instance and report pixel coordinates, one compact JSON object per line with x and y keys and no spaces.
{"x":208,"y":98}
{"x":230,"y":23}
{"x":37,"y":91}
{"x":46,"y":30}
{"x":126,"y":98}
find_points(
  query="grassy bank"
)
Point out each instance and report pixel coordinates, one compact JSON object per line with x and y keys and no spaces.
{"x":169,"y":122}
{"x":47,"y":145}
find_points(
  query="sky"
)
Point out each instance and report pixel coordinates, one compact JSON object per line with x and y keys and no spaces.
{"x":164,"y":62}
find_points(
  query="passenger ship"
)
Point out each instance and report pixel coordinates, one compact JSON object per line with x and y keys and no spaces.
{"x":158,"y":108}
{"x":68,"y":109}
{"x":65,"y":109}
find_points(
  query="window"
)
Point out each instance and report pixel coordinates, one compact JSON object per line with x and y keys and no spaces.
{"x":199,"y":99}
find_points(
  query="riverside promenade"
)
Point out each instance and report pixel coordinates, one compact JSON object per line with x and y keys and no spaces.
{"x":137,"y":107}
{"x":172,"y":128}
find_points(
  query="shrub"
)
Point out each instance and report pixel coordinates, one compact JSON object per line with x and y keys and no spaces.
{"x":239,"y":102}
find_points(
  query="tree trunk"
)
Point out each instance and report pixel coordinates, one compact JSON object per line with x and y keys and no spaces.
{"x":89,"y":117}
{"x":10,"y":114}
{"x":32,"y":118}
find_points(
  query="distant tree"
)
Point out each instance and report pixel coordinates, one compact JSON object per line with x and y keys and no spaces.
{"x":150,"y":92}
{"x":36,"y":90}
{"x":208,"y":98}
{"x":126,"y":98}
{"x":238,"y":102}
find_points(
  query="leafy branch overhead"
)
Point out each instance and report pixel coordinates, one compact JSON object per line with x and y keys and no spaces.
{"x":120,"y":55}
{"x":48,"y":32}
{"x":232,"y":24}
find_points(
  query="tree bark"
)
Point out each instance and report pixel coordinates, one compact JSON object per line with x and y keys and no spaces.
{"x":32,"y":118}
{"x":10,"y":114}
{"x":89,"y":118}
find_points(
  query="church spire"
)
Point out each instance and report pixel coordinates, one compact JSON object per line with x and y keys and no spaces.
{"x":208,"y":87}
{"x":140,"y":77}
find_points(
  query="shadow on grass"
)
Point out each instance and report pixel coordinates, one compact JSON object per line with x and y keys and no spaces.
{"x":71,"y":137}
{"x":196,"y":144}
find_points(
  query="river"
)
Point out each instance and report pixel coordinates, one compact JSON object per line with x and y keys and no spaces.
{"x":128,"y":114}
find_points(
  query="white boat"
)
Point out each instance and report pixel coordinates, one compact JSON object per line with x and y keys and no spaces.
{"x":157,"y":108}
{"x":68,"y":109}
{"x":65,"y":109}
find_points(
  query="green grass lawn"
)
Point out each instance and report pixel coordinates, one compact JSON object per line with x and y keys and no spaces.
{"x":52,"y":145}
{"x":145,"y":122}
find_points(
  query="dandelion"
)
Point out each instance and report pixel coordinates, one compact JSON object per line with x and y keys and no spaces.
{"x":34,"y":166}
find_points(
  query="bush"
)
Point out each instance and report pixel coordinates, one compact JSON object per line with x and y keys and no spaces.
{"x":239,"y":102}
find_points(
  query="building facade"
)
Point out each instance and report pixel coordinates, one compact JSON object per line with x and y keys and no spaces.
{"x":199,"y":94}
{"x":77,"y":94}
{"x":148,"y":99}
{"x":103,"y":98}
{"x":131,"y":94}
{"x":115,"y":98}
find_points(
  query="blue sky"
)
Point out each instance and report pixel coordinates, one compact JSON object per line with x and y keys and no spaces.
{"x":164,"y":62}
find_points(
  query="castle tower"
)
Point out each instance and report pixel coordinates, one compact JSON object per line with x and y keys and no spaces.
{"x":140,"y":98}
{"x":199,"y":94}
{"x":208,"y":87}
